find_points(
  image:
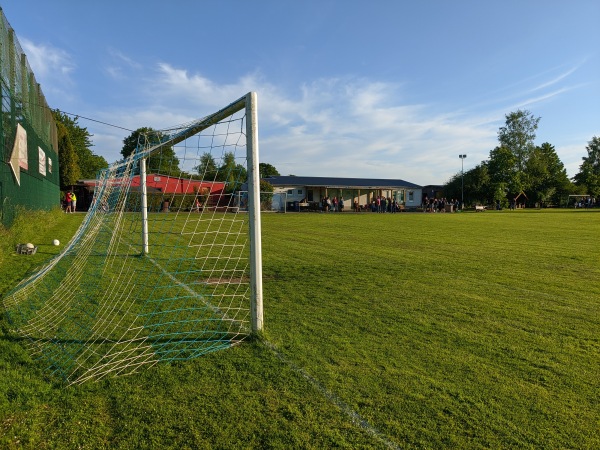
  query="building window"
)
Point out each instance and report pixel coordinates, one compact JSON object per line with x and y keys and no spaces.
{"x":299,"y":191}
{"x":411,"y":196}
{"x":290,"y":192}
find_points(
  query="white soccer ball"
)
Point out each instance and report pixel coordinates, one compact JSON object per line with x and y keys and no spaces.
{"x":56,"y":242}
{"x":29,"y":245}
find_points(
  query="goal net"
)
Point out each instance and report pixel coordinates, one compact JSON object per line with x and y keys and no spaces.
{"x":165,"y":265}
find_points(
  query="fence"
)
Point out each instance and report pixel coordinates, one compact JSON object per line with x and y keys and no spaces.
{"x":29,"y":173}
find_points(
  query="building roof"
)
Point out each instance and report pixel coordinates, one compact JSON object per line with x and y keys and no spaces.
{"x":165,"y":183}
{"x":345,"y":183}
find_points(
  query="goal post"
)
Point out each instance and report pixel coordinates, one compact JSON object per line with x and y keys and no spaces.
{"x":144,"y":206}
{"x":249,"y":102}
{"x":254,"y":212}
{"x":164,"y":266}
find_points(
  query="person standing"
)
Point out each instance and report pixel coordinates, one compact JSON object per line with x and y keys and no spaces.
{"x":73,"y":201}
{"x":68,"y":202}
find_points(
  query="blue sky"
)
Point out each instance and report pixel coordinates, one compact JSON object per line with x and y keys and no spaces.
{"x":380,"y":89}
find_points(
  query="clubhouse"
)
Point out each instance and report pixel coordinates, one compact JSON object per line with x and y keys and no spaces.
{"x":307,"y":192}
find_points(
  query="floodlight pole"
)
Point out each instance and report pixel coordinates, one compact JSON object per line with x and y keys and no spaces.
{"x":462,"y":187}
{"x":144,"y":204}
{"x":256,"y":292}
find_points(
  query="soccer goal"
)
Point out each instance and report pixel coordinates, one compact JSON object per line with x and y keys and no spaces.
{"x":165,"y":266}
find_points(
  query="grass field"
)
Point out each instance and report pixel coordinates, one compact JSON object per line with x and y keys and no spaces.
{"x":469,"y":330}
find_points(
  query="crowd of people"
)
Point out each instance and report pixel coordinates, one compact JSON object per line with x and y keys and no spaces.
{"x":382,"y":204}
{"x":588,"y":202}
{"x":334,"y":204}
{"x":439,"y":204}
{"x":379,"y":204}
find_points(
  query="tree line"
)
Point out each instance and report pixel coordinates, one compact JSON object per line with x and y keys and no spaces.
{"x":77,"y":161}
{"x":166,"y":162}
{"x":516,"y":167}
{"x":519,"y":168}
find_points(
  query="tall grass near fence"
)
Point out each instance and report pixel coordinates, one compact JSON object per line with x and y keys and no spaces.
{"x":473,"y":330}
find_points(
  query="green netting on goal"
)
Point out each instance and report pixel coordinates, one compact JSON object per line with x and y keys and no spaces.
{"x":162,"y":271}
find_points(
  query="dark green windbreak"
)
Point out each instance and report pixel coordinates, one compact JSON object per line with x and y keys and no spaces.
{"x":24,"y":104}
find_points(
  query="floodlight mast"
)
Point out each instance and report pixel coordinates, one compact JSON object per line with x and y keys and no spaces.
{"x":462,"y":187}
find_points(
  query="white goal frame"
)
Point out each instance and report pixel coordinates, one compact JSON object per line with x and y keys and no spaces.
{"x":249,"y":102}
{"x":134,"y":287}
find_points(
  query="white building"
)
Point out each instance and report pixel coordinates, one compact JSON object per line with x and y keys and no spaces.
{"x":307,"y":192}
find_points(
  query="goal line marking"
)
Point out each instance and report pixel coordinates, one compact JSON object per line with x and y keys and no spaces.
{"x":356,"y":418}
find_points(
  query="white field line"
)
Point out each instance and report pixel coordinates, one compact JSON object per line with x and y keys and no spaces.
{"x":190,"y":291}
{"x":356,"y":418}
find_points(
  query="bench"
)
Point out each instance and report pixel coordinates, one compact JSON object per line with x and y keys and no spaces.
{"x":480,"y":208}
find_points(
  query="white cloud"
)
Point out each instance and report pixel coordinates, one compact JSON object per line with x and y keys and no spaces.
{"x":117,"y":55}
{"x":330,"y":127}
{"x":45,"y":59}
{"x":177,"y":86}
{"x":556,"y":79}
{"x":52,"y":67}
{"x":526,"y":103}
{"x":349,"y":127}
{"x":121,"y":66}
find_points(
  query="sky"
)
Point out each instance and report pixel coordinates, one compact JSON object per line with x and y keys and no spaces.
{"x":391,"y":89}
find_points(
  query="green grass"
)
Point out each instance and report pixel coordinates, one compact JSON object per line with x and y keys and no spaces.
{"x":472,"y":330}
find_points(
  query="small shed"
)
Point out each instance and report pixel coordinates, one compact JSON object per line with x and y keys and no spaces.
{"x":517,"y":201}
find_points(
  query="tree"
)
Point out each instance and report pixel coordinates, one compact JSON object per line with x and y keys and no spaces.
{"x":266,"y":170}
{"x":546,"y":176}
{"x":208,"y":167}
{"x":69,"y":171}
{"x":89,"y":163}
{"x":518,"y":135}
{"x":504,"y":175}
{"x":233,"y":174}
{"x":589,"y":171}
{"x":164,"y":162}
{"x":92,"y":165}
{"x":266,"y":195}
{"x":476,"y":185}
{"x":230,"y":172}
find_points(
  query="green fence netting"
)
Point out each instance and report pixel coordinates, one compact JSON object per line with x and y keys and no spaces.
{"x":32,"y":180}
